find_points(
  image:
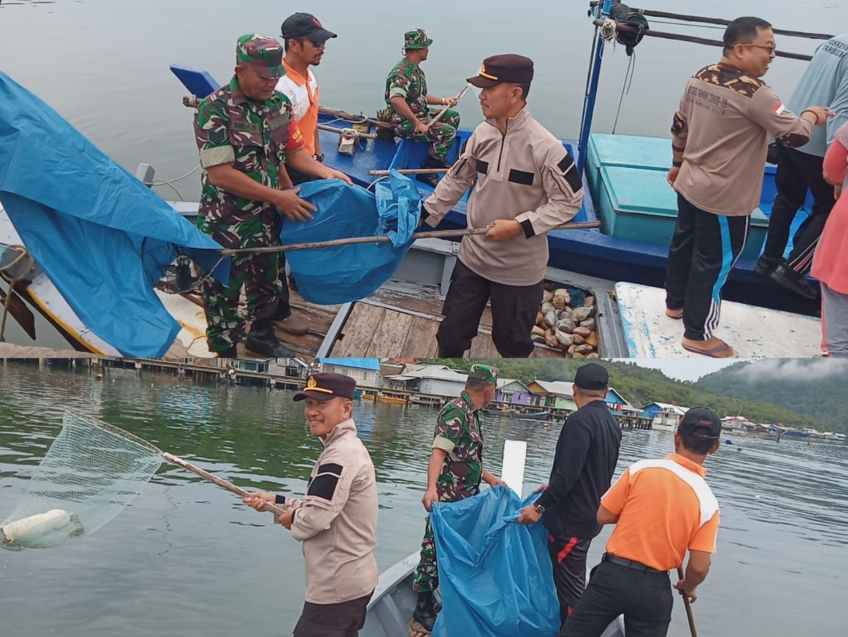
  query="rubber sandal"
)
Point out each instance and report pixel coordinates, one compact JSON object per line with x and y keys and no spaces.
{"x":676,"y":318}
{"x":712,"y":352}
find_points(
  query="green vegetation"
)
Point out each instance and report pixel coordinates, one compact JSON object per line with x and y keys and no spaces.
{"x":644,"y":386}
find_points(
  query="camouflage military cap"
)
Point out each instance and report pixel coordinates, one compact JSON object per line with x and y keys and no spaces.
{"x":485,"y":373}
{"x":416,"y":39}
{"x":262,"y":53}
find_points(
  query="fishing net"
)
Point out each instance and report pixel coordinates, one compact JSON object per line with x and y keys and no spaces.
{"x":91,"y":472}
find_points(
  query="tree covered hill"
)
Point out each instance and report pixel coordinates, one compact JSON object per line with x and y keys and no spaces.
{"x":763,"y":391}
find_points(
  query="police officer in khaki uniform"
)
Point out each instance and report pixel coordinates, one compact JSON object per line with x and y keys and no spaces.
{"x":524,"y":183}
{"x":337,"y":520}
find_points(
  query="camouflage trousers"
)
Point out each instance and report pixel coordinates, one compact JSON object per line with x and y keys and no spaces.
{"x":427,"y":572}
{"x":257,"y":274}
{"x":440,"y":136}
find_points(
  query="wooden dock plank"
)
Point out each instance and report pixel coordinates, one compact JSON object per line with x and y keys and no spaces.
{"x":483,"y":347}
{"x":390,"y":335}
{"x":421,"y":339}
{"x":358,"y":331}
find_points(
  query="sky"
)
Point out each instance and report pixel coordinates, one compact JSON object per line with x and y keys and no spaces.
{"x":689,"y":369}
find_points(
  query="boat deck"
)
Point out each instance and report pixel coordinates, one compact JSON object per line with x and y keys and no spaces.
{"x":754,"y":332}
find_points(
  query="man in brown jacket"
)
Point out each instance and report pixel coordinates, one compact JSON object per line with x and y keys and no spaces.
{"x":720,"y":141}
{"x":524,"y":183}
{"x":337,"y":520}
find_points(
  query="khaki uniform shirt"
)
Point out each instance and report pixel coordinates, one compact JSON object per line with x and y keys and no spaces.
{"x":722,"y":127}
{"x":337,"y":521}
{"x":524,"y":174}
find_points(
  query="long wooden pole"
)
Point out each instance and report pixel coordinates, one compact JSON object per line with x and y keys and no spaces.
{"x":719,"y":21}
{"x":445,"y":109}
{"x":410,"y":171}
{"x":229,"y":486}
{"x":435,"y":234}
{"x":688,"y":38}
{"x":688,"y":606}
{"x":354,"y":119}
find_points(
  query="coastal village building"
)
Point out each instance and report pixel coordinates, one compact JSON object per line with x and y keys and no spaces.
{"x":366,"y":371}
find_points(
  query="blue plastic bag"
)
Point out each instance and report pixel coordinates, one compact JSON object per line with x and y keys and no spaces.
{"x":330,"y":276}
{"x":495,"y":576}
{"x":84,"y":219}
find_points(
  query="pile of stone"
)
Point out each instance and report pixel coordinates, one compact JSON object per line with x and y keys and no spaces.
{"x":561,"y":326}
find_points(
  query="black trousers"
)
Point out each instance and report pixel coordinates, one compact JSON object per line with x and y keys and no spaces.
{"x":703,"y":251}
{"x":644,"y":598}
{"x":514,"y":310}
{"x":332,"y":620}
{"x":568,"y":557}
{"x":798,"y":172}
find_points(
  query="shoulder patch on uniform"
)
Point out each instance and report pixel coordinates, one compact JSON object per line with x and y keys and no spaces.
{"x":521,"y":177}
{"x":323,"y":486}
{"x":569,"y":171}
{"x":217,"y":136}
{"x":482,"y":166}
{"x":330,"y":467}
{"x":280,"y":120}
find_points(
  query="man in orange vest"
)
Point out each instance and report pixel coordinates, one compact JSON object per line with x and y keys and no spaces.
{"x":661,"y":509}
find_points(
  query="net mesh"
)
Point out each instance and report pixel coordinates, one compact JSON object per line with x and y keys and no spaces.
{"x":91,"y":472}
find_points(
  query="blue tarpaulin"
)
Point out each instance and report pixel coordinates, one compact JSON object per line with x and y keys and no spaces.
{"x":330,"y":276}
{"x":84,"y":219}
{"x":495,"y":576}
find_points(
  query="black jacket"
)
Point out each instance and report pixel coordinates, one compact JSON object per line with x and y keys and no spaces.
{"x":586,"y":455}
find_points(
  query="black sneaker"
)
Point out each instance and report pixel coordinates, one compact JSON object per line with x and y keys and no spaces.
{"x":791,"y":280}
{"x":424,"y":612}
{"x":263,"y":340}
{"x":766,"y":265}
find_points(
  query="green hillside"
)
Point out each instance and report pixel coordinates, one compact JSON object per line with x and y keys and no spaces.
{"x":817,"y":388}
{"x":643,"y":386}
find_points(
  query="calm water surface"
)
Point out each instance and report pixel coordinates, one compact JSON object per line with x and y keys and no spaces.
{"x":188,"y":558}
{"x":103,"y":64}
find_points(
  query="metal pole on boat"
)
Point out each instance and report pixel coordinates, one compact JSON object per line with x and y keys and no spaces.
{"x":603,"y":10}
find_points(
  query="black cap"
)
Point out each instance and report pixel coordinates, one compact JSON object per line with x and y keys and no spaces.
{"x":326,"y":386}
{"x":591,"y":376}
{"x":305,"y":25}
{"x":702,"y":422}
{"x":515,"y":69}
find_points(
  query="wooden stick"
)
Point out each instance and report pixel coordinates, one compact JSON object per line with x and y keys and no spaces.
{"x":410,"y":171}
{"x":435,"y":234}
{"x":689,"y":38}
{"x":688,"y":606}
{"x":339,"y":131}
{"x":356,"y":119}
{"x":445,"y":109}
{"x":229,"y":486}
{"x":719,"y":21}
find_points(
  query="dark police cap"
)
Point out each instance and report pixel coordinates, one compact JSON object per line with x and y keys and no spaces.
{"x":497,"y":69}
{"x":325,"y":386}
{"x":305,"y":25}
{"x":591,"y":376}
{"x":702,"y":422}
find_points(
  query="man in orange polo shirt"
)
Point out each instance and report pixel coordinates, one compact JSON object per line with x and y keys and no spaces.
{"x":660,"y":508}
{"x":305,"y":40}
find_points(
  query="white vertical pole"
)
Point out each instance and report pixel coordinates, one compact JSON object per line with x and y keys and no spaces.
{"x":514,"y":458}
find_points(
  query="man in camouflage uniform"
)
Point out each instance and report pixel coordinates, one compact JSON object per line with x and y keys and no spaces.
{"x":408,"y":105}
{"x":245,"y":132}
{"x":454,"y":472}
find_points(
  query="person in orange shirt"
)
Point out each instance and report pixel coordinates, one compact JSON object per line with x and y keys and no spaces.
{"x":660,"y":509}
{"x":305,"y":40}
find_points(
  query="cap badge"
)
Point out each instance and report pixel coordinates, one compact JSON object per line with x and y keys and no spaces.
{"x":311,"y":384}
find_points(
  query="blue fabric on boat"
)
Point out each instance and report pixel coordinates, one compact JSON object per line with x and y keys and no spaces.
{"x":330,"y":276}
{"x":495,"y":576}
{"x":84,"y":219}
